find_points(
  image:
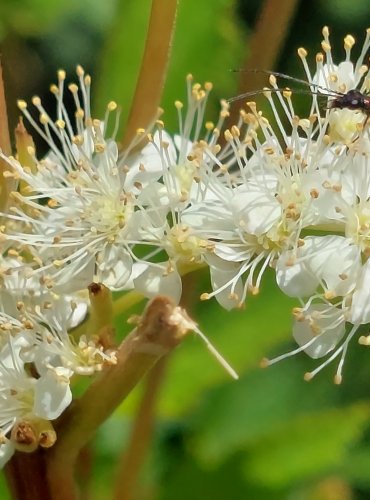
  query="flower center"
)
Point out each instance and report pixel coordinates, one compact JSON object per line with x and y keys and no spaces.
{"x":183,"y":244}
{"x":358,"y":227}
{"x":108,"y":214}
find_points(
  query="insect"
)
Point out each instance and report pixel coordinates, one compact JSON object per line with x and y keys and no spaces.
{"x":352,"y":99}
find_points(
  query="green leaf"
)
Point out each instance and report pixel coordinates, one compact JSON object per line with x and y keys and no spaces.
{"x":121,"y":56}
{"x":32,"y":17}
{"x":235,"y":416}
{"x":226,"y":482}
{"x":208,"y":50}
{"x":356,"y":467}
{"x":311,"y":444}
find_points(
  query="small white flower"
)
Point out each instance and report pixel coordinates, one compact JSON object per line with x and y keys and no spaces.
{"x":331,"y":263}
{"x":318,"y":329}
{"x":82,"y":220}
{"x":178,"y":168}
{"x":335,"y":80}
{"x":22,"y":395}
{"x":360,"y":309}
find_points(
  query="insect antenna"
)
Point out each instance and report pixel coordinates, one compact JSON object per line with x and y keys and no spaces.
{"x":280,"y":89}
{"x":327,"y":92}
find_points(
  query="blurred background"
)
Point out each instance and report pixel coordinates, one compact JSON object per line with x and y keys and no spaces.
{"x":269,"y":435}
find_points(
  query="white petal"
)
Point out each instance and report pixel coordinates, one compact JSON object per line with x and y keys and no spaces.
{"x":75,"y":277}
{"x":115,"y":267}
{"x":156,"y":280}
{"x":256,"y":210}
{"x":360,"y":310}
{"x":295,"y":280}
{"x":331,"y":330}
{"x":335,"y":260}
{"x":219,"y":278}
{"x":52,"y":394}
{"x":6,"y":452}
{"x":331,"y":261}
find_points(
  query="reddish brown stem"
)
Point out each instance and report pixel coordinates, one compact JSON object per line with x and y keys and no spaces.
{"x":25,"y":474}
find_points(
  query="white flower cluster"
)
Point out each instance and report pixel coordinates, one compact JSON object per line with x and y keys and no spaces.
{"x":292,"y":194}
{"x":38,"y":358}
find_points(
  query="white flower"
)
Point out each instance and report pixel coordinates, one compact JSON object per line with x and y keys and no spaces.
{"x":332,"y":263}
{"x":318,"y":329}
{"x":178,"y":168}
{"x":21,"y":395}
{"x":360,"y":309}
{"x":82,"y":220}
{"x":343,"y":76}
{"x":17,"y":283}
{"x":335,"y":80}
{"x":54,"y":348}
{"x":259,"y":220}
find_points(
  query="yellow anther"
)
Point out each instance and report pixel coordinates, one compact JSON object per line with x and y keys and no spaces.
{"x":61,"y":75}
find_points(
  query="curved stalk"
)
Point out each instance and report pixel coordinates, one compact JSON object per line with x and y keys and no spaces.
{"x":153,"y":69}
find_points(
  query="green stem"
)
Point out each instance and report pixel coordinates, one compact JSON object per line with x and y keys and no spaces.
{"x":144,"y":108}
{"x":126,"y":301}
{"x":101,"y":309}
{"x":134,"y":456}
{"x":6,"y":184}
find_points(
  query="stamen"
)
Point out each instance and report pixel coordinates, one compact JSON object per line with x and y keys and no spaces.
{"x":216,"y":354}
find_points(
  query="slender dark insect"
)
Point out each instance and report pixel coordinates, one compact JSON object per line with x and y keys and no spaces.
{"x":353,"y":99}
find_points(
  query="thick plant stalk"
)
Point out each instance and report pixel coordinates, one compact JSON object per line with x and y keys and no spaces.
{"x":161,"y":329}
{"x":153,"y":68}
{"x":130,"y":465}
{"x":135,"y":455}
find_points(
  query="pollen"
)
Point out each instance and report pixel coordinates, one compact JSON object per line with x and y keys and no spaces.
{"x":302,"y":52}
{"x":349,"y":42}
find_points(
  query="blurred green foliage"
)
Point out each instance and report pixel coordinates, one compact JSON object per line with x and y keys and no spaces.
{"x":270,"y":435}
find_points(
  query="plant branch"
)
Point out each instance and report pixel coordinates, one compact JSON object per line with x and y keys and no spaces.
{"x":153,"y":69}
{"x":130,"y":465}
{"x":6,"y":184}
{"x":161,"y":328}
{"x":133,"y":458}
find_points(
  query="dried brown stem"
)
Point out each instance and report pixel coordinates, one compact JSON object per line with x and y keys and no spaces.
{"x":133,"y":458}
